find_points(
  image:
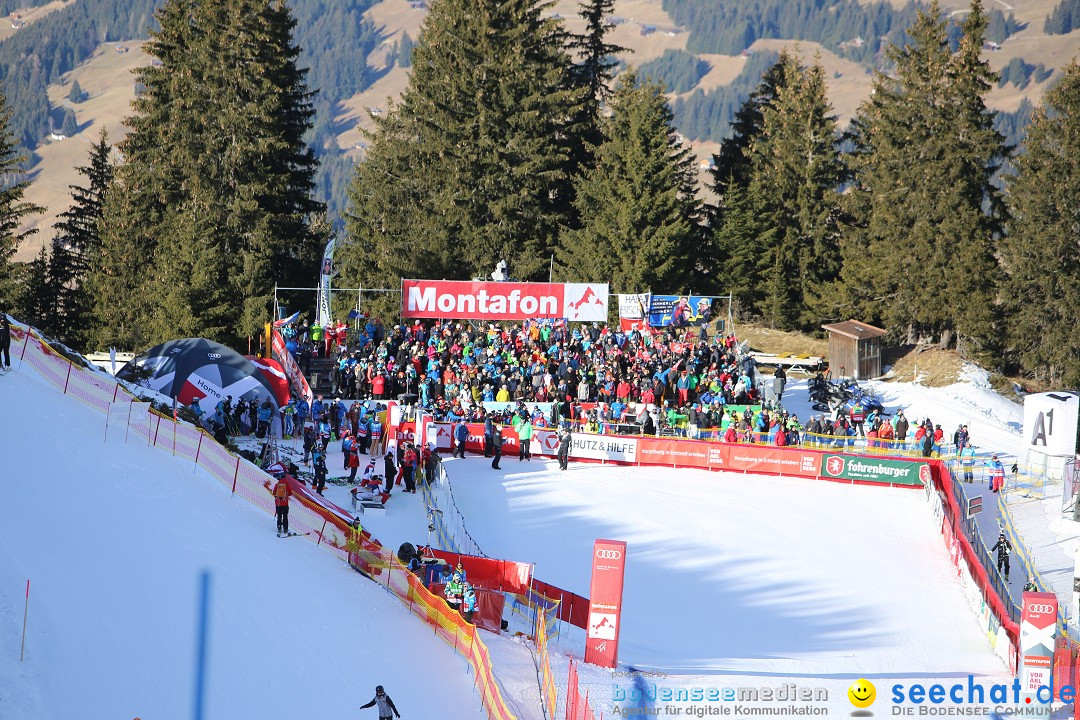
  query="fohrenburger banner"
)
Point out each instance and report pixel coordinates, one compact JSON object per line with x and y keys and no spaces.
{"x":450,"y":299}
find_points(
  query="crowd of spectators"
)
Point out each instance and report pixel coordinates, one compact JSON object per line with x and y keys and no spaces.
{"x":593,"y":376}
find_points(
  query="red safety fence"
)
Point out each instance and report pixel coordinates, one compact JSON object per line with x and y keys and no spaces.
{"x":320,"y":520}
{"x":502,"y":575}
{"x":577,"y":705}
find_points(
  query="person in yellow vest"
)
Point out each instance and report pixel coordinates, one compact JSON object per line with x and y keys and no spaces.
{"x":316,"y":336}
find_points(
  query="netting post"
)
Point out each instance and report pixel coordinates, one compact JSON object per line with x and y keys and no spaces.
{"x":236,"y":474}
{"x":317,"y":544}
{"x":198,"y":450}
{"x":67,"y":379}
{"x":26,"y":341}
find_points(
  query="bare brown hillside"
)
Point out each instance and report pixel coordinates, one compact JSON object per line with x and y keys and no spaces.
{"x":642,"y":26}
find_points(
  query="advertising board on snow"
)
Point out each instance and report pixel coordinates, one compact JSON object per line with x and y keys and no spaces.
{"x":1050,"y":422}
{"x":852,"y":467}
{"x":451,"y":299}
{"x":1038,"y":625}
{"x":589,"y":447}
{"x":605,"y":603}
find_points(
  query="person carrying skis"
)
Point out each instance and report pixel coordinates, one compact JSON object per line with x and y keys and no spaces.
{"x":1003,"y":548}
{"x":282,"y":492}
{"x":384,"y":703}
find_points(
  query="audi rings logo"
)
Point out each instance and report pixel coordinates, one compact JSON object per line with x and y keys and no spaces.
{"x":214,"y":356}
{"x":609,"y":554}
{"x":1033,"y":608}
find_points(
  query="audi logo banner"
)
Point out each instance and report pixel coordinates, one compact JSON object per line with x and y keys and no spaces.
{"x":1038,"y":627}
{"x":605,"y":603}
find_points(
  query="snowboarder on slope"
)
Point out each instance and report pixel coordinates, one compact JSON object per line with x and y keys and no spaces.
{"x":384,"y":703}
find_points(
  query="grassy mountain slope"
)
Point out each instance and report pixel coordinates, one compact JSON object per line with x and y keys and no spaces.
{"x":642,"y":26}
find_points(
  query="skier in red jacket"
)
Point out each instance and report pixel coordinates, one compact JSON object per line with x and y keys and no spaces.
{"x":282,"y":492}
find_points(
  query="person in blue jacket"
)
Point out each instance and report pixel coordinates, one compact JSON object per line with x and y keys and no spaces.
{"x":468,"y":605}
{"x":461,"y":434}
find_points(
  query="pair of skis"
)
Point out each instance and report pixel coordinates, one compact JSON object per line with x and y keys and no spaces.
{"x":291,"y":534}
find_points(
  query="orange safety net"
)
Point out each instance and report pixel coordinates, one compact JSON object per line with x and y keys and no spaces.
{"x":548,"y":693}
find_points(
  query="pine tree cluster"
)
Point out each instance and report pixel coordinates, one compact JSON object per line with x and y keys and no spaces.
{"x":514,"y":142}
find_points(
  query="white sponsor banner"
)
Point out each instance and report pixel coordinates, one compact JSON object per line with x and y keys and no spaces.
{"x":585,"y":446}
{"x":635,"y":306}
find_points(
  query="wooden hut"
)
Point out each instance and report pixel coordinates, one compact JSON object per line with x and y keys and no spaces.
{"x":854,"y":350}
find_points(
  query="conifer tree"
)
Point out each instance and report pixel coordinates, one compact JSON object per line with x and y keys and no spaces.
{"x":474,"y":158}
{"x":1041,"y":253}
{"x":637,"y":204}
{"x":918,"y":254}
{"x":33,"y":304}
{"x":592,"y":72}
{"x":776,"y":230}
{"x":796,"y":162}
{"x":216,"y":190}
{"x":77,"y":247}
{"x":13,"y":208}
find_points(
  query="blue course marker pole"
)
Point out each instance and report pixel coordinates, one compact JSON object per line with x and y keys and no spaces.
{"x":200,"y":652}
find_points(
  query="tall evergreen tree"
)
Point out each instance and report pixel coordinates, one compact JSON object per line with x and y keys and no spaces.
{"x":470,"y":168}
{"x":592,"y":72}
{"x":775,"y":232}
{"x":216,"y":190}
{"x":77,"y":247}
{"x":1041,"y":253}
{"x":637,"y":204}
{"x":918,"y":254}
{"x":33,"y":302}
{"x":13,"y":208}
{"x":796,"y":162}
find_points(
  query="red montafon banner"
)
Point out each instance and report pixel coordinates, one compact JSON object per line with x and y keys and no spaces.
{"x":450,"y":299}
{"x":605,"y":603}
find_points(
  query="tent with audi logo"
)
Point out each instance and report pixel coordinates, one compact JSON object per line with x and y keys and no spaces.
{"x":200,"y":370}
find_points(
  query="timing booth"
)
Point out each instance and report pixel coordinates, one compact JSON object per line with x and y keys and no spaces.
{"x":1050,"y":427}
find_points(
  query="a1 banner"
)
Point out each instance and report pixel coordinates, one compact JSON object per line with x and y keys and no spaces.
{"x":605,"y":603}
{"x":1038,"y":625}
{"x":453,"y":299}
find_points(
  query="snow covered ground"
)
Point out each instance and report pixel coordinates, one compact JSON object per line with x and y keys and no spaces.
{"x":114,"y":538}
{"x":732,"y":580}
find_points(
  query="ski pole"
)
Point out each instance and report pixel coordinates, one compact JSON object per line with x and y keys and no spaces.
{"x":26,"y":610}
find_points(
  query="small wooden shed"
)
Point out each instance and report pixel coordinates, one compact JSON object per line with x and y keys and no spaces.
{"x":854,"y":350}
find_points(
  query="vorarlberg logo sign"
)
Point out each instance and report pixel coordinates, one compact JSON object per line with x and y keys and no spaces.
{"x":608,"y":554}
